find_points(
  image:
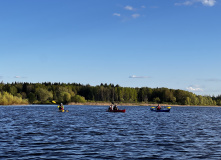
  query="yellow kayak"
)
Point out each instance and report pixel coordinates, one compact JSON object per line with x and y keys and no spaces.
{"x":63,"y":110}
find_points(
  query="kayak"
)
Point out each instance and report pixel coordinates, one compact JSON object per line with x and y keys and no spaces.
{"x":161,"y":110}
{"x":63,"y":111}
{"x":123,"y":110}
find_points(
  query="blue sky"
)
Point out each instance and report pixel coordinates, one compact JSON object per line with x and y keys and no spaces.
{"x":133,"y":43}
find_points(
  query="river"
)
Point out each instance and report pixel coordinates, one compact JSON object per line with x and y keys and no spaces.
{"x":89,"y":132}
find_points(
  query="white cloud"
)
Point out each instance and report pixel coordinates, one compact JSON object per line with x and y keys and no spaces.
{"x":133,"y":76}
{"x":196,"y":89}
{"x":17,"y":77}
{"x":135,"y":15}
{"x":187,"y":3}
{"x":209,"y":3}
{"x":130,"y":8}
{"x":117,"y":14}
{"x":128,"y":16}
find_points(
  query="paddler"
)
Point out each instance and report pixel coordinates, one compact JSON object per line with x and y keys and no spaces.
{"x":110,"y":107}
{"x":61,"y":107}
{"x":115,"y":107}
{"x":158,"y":107}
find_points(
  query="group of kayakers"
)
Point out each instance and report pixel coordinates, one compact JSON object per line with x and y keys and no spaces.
{"x":113,"y":107}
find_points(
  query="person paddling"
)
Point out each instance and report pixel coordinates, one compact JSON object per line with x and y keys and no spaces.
{"x":158,"y":107}
{"x":110,"y":107}
{"x":61,"y":107}
{"x":115,"y":107}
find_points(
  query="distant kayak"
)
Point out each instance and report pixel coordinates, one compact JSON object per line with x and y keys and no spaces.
{"x":161,"y":110}
{"x":123,"y":110}
{"x":63,"y":111}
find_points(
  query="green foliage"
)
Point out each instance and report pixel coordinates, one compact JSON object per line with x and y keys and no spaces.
{"x":8,"y":99}
{"x":31,"y":97}
{"x":43,"y":94}
{"x":13,"y":90}
{"x":65,"y":93}
{"x":78,"y":99}
{"x":157,"y":100}
{"x":64,"y":97}
{"x":187,"y":101}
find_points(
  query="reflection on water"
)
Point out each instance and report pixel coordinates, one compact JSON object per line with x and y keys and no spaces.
{"x":88,"y":132}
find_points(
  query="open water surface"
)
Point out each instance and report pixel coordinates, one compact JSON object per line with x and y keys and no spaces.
{"x":88,"y":132}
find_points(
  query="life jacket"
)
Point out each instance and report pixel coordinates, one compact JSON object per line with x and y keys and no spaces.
{"x":60,"y":108}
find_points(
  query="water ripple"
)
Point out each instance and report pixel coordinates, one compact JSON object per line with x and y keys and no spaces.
{"x":88,"y":132}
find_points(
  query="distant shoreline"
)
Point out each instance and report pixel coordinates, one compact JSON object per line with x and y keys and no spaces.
{"x":118,"y":104}
{"x":132,"y":104}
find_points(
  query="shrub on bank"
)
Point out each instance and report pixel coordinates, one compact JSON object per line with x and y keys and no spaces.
{"x":9,"y":99}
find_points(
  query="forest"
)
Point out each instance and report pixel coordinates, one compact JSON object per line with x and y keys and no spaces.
{"x":45,"y":93}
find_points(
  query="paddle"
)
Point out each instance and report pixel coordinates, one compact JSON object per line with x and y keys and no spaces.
{"x":163,"y":107}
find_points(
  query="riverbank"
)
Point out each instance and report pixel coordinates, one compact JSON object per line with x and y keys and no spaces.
{"x":119,"y":104}
{"x":133,"y":104}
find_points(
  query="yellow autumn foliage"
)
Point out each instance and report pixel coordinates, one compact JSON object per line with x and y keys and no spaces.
{"x":8,"y":99}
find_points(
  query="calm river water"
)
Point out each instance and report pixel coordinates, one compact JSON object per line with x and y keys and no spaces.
{"x":88,"y":132}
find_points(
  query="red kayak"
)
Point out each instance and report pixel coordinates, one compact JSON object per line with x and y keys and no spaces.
{"x":123,"y":110}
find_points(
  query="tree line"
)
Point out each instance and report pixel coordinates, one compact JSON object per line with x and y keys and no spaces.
{"x":44,"y":93}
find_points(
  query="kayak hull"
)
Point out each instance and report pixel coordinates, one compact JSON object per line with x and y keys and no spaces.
{"x":123,"y":110}
{"x":63,"y":111}
{"x":161,"y":110}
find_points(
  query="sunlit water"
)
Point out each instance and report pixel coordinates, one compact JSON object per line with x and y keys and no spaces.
{"x":89,"y":132}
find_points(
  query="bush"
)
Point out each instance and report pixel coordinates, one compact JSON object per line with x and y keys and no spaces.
{"x":8,"y":99}
{"x":78,"y":99}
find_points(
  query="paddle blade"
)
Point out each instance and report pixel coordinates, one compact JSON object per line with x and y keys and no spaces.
{"x":152,"y":107}
{"x":168,"y":107}
{"x":53,"y":102}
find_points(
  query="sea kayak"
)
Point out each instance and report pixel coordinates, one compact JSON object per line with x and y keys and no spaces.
{"x":161,"y":110}
{"x":123,"y":110}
